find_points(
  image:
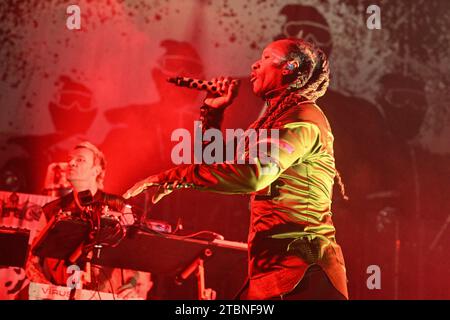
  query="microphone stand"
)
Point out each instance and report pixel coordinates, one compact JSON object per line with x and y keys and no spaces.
{"x":439,"y":234}
{"x":197,"y":266}
{"x":82,"y":256}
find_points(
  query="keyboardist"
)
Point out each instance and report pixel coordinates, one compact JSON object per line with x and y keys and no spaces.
{"x":86,"y":171}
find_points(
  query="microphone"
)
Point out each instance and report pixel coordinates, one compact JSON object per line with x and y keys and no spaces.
{"x":170,"y":186}
{"x":197,"y":84}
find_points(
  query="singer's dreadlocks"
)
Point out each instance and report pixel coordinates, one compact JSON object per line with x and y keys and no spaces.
{"x":311,"y":82}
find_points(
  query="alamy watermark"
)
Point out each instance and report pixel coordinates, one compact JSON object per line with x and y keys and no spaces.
{"x":73,"y":21}
{"x":374,"y":20}
{"x":237,"y":147}
{"x":374,"y":280}
{"x":74,"y":280}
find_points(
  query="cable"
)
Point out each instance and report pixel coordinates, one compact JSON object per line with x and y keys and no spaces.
{"x":107,"y":278}
{"x":216,"y":235}
{"x":97,"y":290}
{"x":179,"y":226}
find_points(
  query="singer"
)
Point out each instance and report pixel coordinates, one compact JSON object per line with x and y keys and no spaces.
{"x":293,"y":253}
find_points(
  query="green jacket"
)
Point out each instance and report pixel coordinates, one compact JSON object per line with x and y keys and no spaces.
{"x":291,"y":226}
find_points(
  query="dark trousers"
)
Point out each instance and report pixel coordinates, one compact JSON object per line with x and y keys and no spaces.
{"x":315,"y":285}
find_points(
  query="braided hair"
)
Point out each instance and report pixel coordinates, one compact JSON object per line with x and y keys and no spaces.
{"x":310,"y":83}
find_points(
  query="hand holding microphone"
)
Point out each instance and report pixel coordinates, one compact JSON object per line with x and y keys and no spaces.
{"x":221,"y":91}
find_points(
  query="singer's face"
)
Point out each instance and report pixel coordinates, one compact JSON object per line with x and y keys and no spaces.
{"x":267,"y":72}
